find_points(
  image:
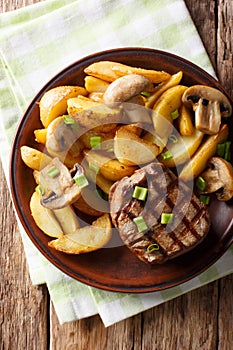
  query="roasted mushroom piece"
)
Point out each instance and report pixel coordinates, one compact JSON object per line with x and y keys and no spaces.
{"x":209,"y":105}
{"x":219,"y":178}
{"x":59,"y":187}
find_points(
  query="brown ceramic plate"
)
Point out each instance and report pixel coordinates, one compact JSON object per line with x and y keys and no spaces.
{"x":116,"y":268}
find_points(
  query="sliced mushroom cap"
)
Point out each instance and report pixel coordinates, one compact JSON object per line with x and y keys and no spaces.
{"x":60,"y":136}
{"x":219,"y":178}
{"x":124,"y":88}
{"x":210,"y":105}
{"x":58,"y":184}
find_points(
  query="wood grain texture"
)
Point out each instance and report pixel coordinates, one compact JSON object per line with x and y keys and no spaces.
{"x":201,"y":319}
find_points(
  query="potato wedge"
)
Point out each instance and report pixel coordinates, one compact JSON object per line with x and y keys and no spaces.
{"x":174,"y":80}
{"x":110,"y":71}
{"x":153,"y":75}
{"x":200,"y":159}
{"x":184,"y":121}
{"x":93,"y":84}
{"x":91,"y":114}
{"x":85,"y":239}
{"x":33,"y":158}
{"x":98,"y":179}
{"x":44,"y":218}
{"x":111,"y":169}
{"x":182,"y":149}
{"x":54,"y":102}
{"x":40,"y":135}
{"x":67,"y":219}
{"x":168,"y":102}
{"x":130,"y":149}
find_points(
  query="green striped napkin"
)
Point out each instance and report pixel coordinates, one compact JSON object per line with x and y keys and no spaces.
{"x":38,"y":41}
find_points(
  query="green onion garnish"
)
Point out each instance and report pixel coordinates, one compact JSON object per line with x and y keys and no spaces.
{"x":140,"y":193}
{"x":204,"y":199}
{"x":173,"y":138}
{"x":221,"y":149}
{"x":53,"y":172}
{"x":227,"y":154}
{"x":200,"y":183}
{"x":140,"y":223}
{"x":94,"y":167}
{"x":39,"y":189}
{"x":152,"y":248}
{"x":68,"y":120}
{"x":175,"y":114}
{"x":167,"y":155}
{"x":81,"y":180}
{"x":145,"y":93}
{"x":167,"y":218}
{"x":95,"y":142}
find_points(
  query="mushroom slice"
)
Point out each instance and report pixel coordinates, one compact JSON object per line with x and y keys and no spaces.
{"x":126,"y":87}
{"x":58,"y":184}
{"x":219,"y":178}
{"x":210,"y":105}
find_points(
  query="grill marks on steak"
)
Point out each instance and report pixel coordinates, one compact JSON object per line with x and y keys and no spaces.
{"x":165,"y":195}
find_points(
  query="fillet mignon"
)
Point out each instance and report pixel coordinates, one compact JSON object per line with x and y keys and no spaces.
{"x":166,"y":194}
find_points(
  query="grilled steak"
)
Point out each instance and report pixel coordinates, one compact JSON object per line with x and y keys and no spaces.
{"x":165,"y":194}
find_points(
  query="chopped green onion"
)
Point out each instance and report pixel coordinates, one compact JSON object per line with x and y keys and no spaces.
{"x":173,"y":138}
{"x":53,"y":172}
{"x":68,"y":120}
{"x":140,"y":193}
{"x":95,"y":142}
{"x":140,"y":223}
{"x":152,"y":248}
{"x":167,"y":155}
{"x":175,"y":114}
{"x":39,"y":189}
{"x":227,"y":154}
{"x":201,"y":183}
{"x":167,"y":218}
{"x":94,"y":167}
{"x":221,"y":149}
{"x":81,"y":180}
{"x":145,"y":93}
{"x":204,"y":199}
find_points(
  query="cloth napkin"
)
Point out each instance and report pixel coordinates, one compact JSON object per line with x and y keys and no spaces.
{"x":38,"y":41}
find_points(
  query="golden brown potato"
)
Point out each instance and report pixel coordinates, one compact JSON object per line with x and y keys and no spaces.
{"x":207,"y":150}
{"x":40,"y":135}
{"x":184,"y":121}
{"x":111,"y":169}
{"x":44,"y":218}
{"x":33,"y":158}
{"x":86,"y":239}
{"x":54,"y":102}
{"x":93,"y":84}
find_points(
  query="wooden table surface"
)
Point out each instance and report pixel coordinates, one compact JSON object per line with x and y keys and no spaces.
{"x":201,"y":319}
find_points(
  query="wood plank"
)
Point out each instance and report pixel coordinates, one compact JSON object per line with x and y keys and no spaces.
{"x":23,"y":306}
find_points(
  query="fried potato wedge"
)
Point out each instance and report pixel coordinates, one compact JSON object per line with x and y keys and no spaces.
{"x":184,"y":121}
{"x":111,"y":169}
{"x":93,"y":84}
{"x":168,"y":102}
{"x":91,"y":114}
{"x":174,"y":80}
{"x":182,"y":149}
{"x":44,"y":218}
{"x":110,"y":71}
{"x":67,"y":219}
{"x":33,"y":158}
{"x":130,"y":149}
{"x":40,"y":135}
{"x":85,"y":239}
{"x":153,"y":75}
{"x":54,"y":102}
{"x":206,"y":150}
